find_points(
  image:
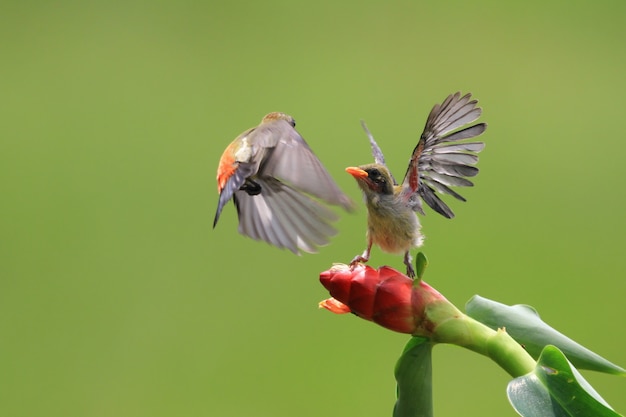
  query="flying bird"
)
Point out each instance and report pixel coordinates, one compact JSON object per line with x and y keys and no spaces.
{"x":441,"y":159}
{"x":278,"y":186}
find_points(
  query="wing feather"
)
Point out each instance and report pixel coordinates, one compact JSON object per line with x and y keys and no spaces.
{"x":449,"y":180}
{"x":468,"y":147}
{"x":441,"y":160}
{"x":444,"y":189}
{"x":379,"y":158}
{"x":467,"y":133}
{"x":456,"y":170}
{"x":457,"y":158}
{"x":290,"y":159}
{"x":284,"y":217}
{"x":434,"y":202}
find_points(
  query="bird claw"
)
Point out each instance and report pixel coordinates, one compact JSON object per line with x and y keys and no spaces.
{"x":251,"y":187}
{"x":357,"y":260}
{"x":410,"y":271}
{"x":408,"y":261}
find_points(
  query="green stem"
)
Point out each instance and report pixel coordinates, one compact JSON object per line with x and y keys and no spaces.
{"x":456,"y":328}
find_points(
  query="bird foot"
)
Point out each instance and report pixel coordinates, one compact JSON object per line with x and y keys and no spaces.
{"x":410,"y":271}
{"x":357,"y":260}
{"x":408,"y":261}
{"x":251,"y":187}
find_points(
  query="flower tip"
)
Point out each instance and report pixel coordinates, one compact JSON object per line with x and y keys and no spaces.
{"x":336,"y":268}
{"x":325,"y":275}
{"x":339,"y":267}
{"x":334,"y":306}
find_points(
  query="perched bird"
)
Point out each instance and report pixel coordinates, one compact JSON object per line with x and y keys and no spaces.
{"x":271,"y":174}
{"x":440,"y":160}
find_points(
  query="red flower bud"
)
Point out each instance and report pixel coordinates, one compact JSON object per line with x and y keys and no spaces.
{"x":384,"y":295}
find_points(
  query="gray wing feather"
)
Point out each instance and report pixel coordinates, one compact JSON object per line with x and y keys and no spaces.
{"x":445,"y":161}
{"x":468,"y":147}
{"x":284,"y":217}
{"x":434,"y":202}
{"x":444,"y":189}
{"x":449,"y":180}
{"x":290,"y":159}
{"x":455,"y":170}
{"x":467,"y":133}
{"x":457,"y":158}
{"x":379,"y":158}
{"x":453,"y":113}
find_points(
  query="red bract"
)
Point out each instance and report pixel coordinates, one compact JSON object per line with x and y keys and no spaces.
{"x":384,"y":295}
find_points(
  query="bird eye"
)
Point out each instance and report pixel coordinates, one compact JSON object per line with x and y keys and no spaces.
{"x":376,"y":176}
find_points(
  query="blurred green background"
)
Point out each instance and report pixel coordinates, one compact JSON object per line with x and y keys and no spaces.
{"x":118,"y":299}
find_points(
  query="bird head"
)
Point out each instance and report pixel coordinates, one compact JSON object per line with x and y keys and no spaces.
{"x":279,"y":116}
{"x":372,"y":178}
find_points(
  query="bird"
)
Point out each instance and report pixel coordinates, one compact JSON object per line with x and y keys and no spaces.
{"x":441,"y":159}
{"x":278,"y":187}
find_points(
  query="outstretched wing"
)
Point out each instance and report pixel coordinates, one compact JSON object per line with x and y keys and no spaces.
{"x":441,"y":159}
{"x":379,"y":158}
{"x":284,"y":217}
{"x":290,"y":159}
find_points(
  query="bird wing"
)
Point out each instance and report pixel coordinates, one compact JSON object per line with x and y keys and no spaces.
{"x":440,"y":159}
{"x":284,"y":217}
{"x":289,"y":158}
{"x":379,"y":158}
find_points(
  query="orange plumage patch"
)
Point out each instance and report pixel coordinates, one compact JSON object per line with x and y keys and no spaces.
{"x":273,"y":116}
{"x":226,"y":167}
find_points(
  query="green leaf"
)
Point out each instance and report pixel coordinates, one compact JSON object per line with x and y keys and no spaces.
{"x":421,"y":262}
{"x":522,"y":322}
{"x":414,"y":376}
{"x":556,"y":389}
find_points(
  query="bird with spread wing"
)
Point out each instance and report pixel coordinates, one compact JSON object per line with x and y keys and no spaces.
{"x":278,"y":186}
{"x":441,"y":159}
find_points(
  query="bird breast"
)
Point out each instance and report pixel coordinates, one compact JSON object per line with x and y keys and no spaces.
{"x":392,"y":225}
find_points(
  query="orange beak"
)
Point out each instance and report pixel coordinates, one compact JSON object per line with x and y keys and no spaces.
{"x":357,"y":173}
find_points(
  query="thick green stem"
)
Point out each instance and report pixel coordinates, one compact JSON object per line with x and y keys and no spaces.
{"x":454,"y":327}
